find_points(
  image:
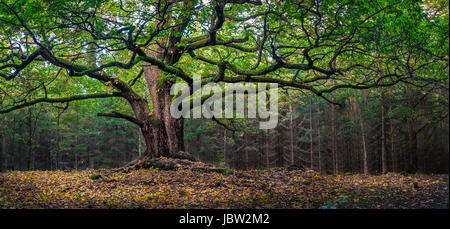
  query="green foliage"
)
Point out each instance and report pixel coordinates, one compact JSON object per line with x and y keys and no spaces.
{"x":95,"y":176}
{"x":335,"y":204}
{"x":153,"y":169}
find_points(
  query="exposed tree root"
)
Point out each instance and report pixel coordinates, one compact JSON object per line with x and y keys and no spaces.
{"x":180,"y":160}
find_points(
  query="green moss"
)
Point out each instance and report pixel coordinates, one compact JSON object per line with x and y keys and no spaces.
{"x":95,"y":176}
{"x":155,"y":122}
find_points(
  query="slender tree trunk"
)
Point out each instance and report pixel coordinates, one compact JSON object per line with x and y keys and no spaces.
{"x":139,"y":143}
{"x":392,"y":135}
{"x":76,"y":140}
{"x":2,"y":140}
{"x":29,"y":157}
{"x":424,"y":159}
{"x":354,"y":134}
{"x":365,"y":158}
{"x":311,"y":128}
{"x":291,"y":135}
{"x":393,"y":150}
{"x":2,"y":136}
{"x":88,"y":152}
{"x":318,"y":142}
{"x":225,"y":147}
{"x":4,"y":150}
{"x":334,"y":139}
{"x":12,"y":143}
{"x":246,"y":152}
{"x":412,"y":133}
{"x":267,"y":148}
{"x":363,"y":138}
{"x":383,"y":134}
{"x":58,"y":141}
{"x":445,"y":143}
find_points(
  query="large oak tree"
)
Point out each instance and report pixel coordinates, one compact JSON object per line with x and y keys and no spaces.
{"x":111,"y":45}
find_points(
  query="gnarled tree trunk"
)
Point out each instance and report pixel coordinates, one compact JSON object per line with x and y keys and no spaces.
{"x":164,"y":137}
{"x":163,"y":134}
{"x":166,"y":133}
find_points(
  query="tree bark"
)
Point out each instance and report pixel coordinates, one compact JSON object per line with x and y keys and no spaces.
{"x":334,"y":139}
{"x":363,"y":137}
{"x":291,"y":131}
{"x":245,"y":152}
{"x":318,"y":141}
{"x":311,"y":133}
{"x":165,"y":136}
{"x":5,"y":155}
{"x":412,"y":133}
{"x":354,"y":134}
{"x":29,"y":124}
{"x":2,"y":140}
{"x":267,"y":148}
{"x":2,"y":136}
{"x":383,"y":134}
{"x":76,"y":140}
{"x":139,"y":143}
{"x":392,"y":135}
{"x":225,"y":147}
{"x":162,"y":134}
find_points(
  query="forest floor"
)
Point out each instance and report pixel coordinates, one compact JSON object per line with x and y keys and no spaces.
{"x":187,"y":188}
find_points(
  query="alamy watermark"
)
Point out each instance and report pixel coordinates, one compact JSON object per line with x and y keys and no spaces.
{"x":226,"y":101}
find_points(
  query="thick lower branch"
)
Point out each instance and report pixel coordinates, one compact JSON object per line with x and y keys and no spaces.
{"x":122,"y":116}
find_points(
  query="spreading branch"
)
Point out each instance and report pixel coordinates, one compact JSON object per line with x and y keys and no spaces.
{"x":121,"y":116}
{"x":57,"y":100}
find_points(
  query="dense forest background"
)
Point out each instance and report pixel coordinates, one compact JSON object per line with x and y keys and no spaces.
{"x":372,"y":127}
